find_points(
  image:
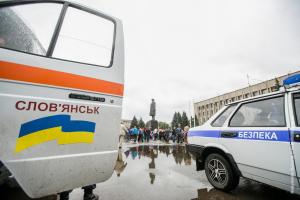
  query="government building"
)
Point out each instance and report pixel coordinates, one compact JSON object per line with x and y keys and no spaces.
{"x":206,"y":108}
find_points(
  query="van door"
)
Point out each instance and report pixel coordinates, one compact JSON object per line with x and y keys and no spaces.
{"x":61,"y":89}
{"x":294,"y":108}
{"x":258,"y":138}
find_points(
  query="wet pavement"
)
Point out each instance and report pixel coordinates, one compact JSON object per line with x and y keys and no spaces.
{"x":160,"y":172}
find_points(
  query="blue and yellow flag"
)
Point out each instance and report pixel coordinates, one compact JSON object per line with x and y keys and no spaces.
{"x":57,"y":127}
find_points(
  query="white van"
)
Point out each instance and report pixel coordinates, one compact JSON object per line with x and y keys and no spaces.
{"x":256,"y":138}
{"x":61,"y":90}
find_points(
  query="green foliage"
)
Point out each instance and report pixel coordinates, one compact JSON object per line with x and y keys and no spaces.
{"x":163,"y":125}
{"x":192,"y":121}
{"x":179,"y":119}
{"x":277,"y":84}
{"x":134,"y":122}
{"x":196,"y":121}
{"x":185,"y":120}
{"x":174,"y":120}
{"x":141,"y":123}
{"x":148,"y":124}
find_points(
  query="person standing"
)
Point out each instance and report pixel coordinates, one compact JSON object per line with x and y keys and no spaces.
{"x":147,"y":134}
{"x":179,"y":134}
{"x":185,"y":132}
{"x":123,"y":132}
{"x":155,"y":133}
{"x":174,"y":135}
{"x":141,"y":135}
{"x":135,"y":133}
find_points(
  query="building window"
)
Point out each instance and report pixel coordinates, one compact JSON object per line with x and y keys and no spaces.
{"x":273,"y":89}
{"x":264,"y":91}
{"x":255,"y":93}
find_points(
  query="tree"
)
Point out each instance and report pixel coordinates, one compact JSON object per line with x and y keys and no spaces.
{"x":185,"y":120}
{"x":179,"y":120}
{"x":174,"y":120}
{"x":148,"y":124}
{"x":277,"y":85}
{"x":163,"y":125}
{"x":141,"y":123}
{"x":134,"y":122}
{"x":192,"y":121}
{"x":196,"y":121}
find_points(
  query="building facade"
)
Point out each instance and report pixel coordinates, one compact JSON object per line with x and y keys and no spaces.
{"x":206,"y":108}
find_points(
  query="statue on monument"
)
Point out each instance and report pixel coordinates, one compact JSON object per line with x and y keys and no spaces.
{"x":153,"y":109}
{"x":154,"y":123}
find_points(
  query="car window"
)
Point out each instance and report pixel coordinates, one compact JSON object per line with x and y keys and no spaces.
{"x":297,"y":108}
{"x":85,"y":37}
{"x":267,"y":112}
{"x":28,"y":27}
{"x":220,"y":120}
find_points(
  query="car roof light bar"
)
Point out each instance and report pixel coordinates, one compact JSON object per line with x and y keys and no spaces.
{"x":292,"y":81}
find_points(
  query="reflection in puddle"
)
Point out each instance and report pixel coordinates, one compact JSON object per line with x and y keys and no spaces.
{"x":178,"y":152}
{"x":152,"y":177}
{"x":120,"y":164}
{"x":213,"y":194}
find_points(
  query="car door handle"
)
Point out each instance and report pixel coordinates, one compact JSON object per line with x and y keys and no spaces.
{"x":297,"y":136}
{"x":227,"y":134}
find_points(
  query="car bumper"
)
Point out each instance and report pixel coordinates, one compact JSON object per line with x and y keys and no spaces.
{"x":195,"y":150}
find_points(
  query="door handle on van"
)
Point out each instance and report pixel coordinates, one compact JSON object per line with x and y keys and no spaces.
{"x":86,"y":97}
{"x":227,"y":134}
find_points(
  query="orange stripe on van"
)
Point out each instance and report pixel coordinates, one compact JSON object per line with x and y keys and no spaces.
{"x":25,"y":73}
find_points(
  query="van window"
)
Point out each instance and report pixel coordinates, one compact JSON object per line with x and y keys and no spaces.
{"x":28,"y":27}
{"x":85,"y":37}
{"x":268,"y":112}
{"x":297,"y":108}
{"x":220,"y":120}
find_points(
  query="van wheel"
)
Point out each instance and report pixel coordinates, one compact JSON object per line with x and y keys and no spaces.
{"x":220,"y":173}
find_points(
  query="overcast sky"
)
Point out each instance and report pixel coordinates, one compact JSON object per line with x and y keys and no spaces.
{"x":179,"y":51}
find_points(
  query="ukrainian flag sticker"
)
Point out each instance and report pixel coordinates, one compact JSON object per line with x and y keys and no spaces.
{"x":57,"y":127}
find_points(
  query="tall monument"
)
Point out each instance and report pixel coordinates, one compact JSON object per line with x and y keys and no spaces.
{"x":154,"y":123}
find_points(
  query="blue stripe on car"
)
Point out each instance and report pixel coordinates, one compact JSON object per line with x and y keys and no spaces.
{"x":266,"y":135}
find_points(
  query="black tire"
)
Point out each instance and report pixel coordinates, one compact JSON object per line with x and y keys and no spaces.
{"x":220,"y":173}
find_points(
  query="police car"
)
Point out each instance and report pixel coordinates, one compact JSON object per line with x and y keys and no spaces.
{"x":256,"y":138}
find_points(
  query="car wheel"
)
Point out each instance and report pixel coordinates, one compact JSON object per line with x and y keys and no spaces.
{"x":220,"y":173}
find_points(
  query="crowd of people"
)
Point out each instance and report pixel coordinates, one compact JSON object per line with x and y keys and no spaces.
{"x":141,"y":135}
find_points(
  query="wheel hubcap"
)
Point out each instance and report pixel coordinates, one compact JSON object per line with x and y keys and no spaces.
{"x":217,"y":171}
